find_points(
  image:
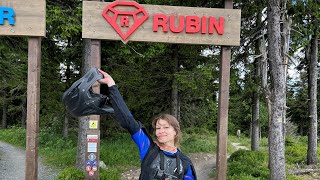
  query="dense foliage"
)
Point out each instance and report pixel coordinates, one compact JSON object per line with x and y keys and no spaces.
{"x":147,"y":72}
{"x":255,"y":165}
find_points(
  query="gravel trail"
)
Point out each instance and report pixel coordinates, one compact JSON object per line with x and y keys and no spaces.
{"x":204,"y":164}
{"x":238,"y":146}
{"x":12,"y":164}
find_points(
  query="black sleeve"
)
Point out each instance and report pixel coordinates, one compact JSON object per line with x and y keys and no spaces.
{"x":123,"y":115}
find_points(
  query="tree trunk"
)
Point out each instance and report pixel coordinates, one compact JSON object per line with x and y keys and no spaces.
{"x":4,"y":113}
{"x":82,"y":140}
{"x":175,"y":109}
{"x":255,"y":122}
{"x":66,"y":114}
{"x":256,"y":95}
{"x":286,"y":26}
{"x":65,"y":126}
{"x":301,"y":128}
{"x":264,"y":74}
{"x":83,"y":121}
{"x":312,"y":93}
{"x":24,"y":112}
{"x":278,"y":87}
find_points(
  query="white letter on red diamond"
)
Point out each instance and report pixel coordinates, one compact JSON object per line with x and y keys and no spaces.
{"x":125,"y":22}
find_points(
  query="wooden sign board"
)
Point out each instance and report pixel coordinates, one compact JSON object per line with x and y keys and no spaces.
{"x":23,"y":17}
{"x":96,"y":26}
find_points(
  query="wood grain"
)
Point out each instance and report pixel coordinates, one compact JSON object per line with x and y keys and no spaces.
{"x":95,"y":26}
{"x":33,"y":107}
{"x":30,"y":18}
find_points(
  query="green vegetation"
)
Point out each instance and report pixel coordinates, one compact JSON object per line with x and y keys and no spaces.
{"x":199,"y":140}
{"x":296,"y":151}
{"x":71,"y":174}
{"x":119,"y":153}
{"x":244,"y":164}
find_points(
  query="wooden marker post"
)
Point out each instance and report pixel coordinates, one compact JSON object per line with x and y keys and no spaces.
{"x":33,"y":105}
{"x":27,"y":18}
{"x":93,"y":134}
{"x":222,"y":135}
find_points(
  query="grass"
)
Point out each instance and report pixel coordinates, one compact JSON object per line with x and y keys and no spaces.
{"x":244,"y":164}
{"x":120,"y":153}
{"x":198,"y":140}
{"x":15,"y":136}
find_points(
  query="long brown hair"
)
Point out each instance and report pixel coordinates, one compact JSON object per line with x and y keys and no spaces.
{"x":173,"y":122}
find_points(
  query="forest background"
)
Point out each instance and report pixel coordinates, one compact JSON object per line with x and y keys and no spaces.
{"x":174,"y":78}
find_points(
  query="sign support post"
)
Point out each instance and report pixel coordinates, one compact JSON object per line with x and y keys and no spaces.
{"x":27,"y":18}
{"x":222,"y":135}
{"x":93,"y":134}
{"x":222,"y":129}
{"x":33,"y":106}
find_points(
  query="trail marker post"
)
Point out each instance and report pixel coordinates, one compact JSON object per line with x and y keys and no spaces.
{"x":92,"y":155}
{"x":27,"y":18}
{"x":130,"y":21}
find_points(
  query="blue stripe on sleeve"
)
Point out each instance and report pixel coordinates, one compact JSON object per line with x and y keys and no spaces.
{"x":142,"y":141}
{"x":188,"y":175}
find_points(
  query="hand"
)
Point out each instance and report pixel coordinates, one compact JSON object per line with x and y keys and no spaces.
{"x":107,"y":79}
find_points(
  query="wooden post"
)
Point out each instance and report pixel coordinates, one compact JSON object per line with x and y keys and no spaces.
{"x":222,"y":137}
{"x":33,"y":99}
{"x":93,"y":134}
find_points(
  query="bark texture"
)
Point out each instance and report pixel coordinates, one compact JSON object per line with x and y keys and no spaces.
{"x":312,"y":92}
{"x":83,"y":121}
{"x":4,"y":113}
{"x":255,"y":125}
{"x":278,"y":87}
{"x":23,"y":112}
{"x":65,"y":126}
{"x":175,"y":108}
{"x":286,"y":27}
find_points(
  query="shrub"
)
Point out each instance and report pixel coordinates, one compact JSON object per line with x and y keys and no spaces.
{"x":14,"y":135}
{"x":296,"y":152}
{"x":109,"y":174}
{"x":194,"y":142}
{"x":244,"y":164}
{"x":71,"y":174}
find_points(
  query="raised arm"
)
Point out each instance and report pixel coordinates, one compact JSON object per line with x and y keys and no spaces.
{"x":123,"y":115}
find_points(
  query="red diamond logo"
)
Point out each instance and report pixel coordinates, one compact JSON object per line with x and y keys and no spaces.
{"x":125,"y":17}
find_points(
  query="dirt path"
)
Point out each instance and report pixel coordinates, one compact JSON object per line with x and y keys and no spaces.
{"x":238,"y":146}
{"x":204,"y":163}
{"x":12,"y":164}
